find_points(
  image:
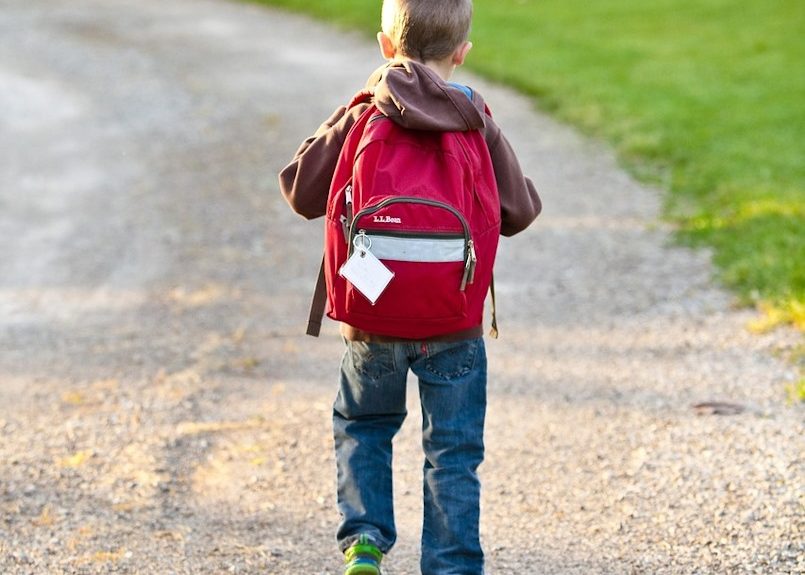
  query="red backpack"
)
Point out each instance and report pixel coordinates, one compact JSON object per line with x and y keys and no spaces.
{"x":425,"y":204}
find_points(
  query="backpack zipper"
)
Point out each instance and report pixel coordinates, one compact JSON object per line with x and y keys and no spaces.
{"x":439,"y":235}
{"x":347,"y":219}
{"x":470,"y":258}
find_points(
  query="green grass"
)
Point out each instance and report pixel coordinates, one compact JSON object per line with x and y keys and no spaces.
{"x":796,"y":392}
{"x":703,"y":97}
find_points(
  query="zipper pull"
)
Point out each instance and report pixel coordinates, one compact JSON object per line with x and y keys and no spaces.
{"x":473,"y":261}
{"x":469,"y":266}
{"x":346,"y":221}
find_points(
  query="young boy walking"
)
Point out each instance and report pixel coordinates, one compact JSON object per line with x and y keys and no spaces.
{"x":423,"y":42}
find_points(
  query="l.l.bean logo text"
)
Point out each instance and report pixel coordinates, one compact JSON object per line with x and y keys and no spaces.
{"x":386,"y":220}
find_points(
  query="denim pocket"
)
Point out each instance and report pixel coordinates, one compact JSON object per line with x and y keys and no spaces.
{"x":452,"y":360}
{"x":372,"y":360}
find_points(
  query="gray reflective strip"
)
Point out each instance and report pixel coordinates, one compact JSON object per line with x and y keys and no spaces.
{"x":417,"y":249}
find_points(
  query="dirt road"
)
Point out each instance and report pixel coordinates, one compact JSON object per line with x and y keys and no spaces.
{"x":161,"y":410}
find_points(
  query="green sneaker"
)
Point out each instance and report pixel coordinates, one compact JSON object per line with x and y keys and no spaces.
{"x":362,"y":558}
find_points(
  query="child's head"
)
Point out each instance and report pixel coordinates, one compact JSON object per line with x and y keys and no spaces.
{"x":425,"y":30}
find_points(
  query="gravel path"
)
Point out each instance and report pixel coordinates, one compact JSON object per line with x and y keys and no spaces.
{"x":161,"y":411}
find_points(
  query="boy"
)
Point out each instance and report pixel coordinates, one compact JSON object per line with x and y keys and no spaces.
{"x":423,"y":41}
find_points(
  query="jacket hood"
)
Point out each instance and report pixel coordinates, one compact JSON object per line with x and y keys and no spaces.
{"x":415,"y":97}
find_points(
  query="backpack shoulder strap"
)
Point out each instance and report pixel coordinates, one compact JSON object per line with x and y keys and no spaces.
{"x":317,"y":304}
{"x":493,"y":332}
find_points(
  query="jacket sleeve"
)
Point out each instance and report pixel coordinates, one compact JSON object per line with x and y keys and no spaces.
{"x":305,"y":182}
{"x":519,"y":202}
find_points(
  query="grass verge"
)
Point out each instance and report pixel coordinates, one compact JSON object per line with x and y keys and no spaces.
{"x":703,"y":97}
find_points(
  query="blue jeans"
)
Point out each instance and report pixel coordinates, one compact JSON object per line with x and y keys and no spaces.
{"x":368,"y":412}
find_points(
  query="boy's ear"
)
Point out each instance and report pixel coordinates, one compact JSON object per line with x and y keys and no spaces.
{"x":386,"y":46}
{"x":461,"y":53}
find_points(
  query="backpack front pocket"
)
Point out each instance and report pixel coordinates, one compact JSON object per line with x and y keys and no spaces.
{"x":428,"y":275}
{"x":427,"y":245}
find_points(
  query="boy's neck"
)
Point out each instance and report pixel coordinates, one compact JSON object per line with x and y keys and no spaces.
{"x":443,"y":68}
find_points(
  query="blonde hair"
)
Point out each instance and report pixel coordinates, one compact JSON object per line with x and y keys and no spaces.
{"x":427,"y":30}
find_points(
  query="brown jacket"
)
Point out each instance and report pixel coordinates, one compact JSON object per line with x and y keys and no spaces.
{"x":415,"y":97}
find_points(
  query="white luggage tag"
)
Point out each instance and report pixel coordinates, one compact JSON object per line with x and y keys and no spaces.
{"x":364,"y":271}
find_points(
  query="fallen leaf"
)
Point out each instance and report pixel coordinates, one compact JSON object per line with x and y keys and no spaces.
{"x":718,"y":408}
{"x":76,"y":460}
{"x":46,"y":518}
{"x":73,"y":398}
{"x":108,"y":556}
